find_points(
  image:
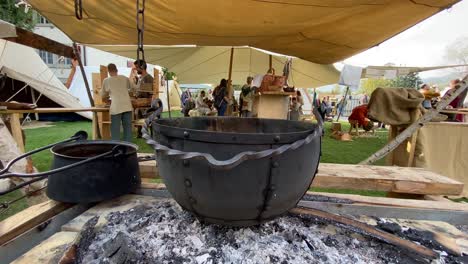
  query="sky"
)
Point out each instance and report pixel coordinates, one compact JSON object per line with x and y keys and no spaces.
{"x":422,"y":45}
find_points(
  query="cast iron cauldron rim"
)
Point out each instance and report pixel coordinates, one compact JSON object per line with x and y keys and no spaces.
{"x":235,"y":137}
{"x":54,"y":150}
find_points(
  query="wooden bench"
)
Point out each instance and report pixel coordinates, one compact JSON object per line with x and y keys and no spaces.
{"x":363,"y":177}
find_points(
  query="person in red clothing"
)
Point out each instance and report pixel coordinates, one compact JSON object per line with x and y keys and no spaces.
{"x":359,"y":116}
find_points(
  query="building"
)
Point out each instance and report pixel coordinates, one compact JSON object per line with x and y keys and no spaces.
{"x":62,"y":66}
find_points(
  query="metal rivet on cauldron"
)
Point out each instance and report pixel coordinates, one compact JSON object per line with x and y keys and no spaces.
{"x":192,"y":200}
{"x":275,"y":164}
{"x":186,"y":134}
{"x":188,"y":183}
{"x":186,"y":163}
{"x":276,"y":138}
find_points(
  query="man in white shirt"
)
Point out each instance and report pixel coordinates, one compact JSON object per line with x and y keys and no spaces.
{"x":117,"y":87}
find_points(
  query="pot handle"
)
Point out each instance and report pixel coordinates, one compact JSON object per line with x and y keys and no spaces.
{"x":237,"y":159}
{"x":80,"y":135}
{"x":116,"y":151}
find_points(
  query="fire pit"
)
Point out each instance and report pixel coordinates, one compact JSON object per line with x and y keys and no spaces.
{"x":236,"y":171}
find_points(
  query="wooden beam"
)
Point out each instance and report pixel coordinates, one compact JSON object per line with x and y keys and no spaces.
{"x":56,"y":110}
{"x":36,"y":41}
{"x":270,"y":62}
{"x":29,"y":218}
{"x":359,"y":177}
{"x":366,"y":229}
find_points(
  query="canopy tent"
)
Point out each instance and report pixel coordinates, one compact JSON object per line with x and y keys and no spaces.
{"x":22,"y":63}
{"x":211,"y":64}
{"x":318,"y":31}
{"x":395,"y":71}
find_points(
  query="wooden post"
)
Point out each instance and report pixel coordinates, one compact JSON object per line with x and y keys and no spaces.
{"x":16,"y":131}
{"x":156,"y":83}
{"x":230,"y":109}
{"x":104,"y":120}
{"x":270,"y":62}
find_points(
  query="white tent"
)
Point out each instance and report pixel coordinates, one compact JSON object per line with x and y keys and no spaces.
{"x":22,"y":63}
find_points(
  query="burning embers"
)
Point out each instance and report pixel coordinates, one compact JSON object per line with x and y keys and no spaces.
{"x":164,"y":233}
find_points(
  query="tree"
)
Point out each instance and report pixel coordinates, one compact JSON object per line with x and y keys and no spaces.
{"x":17,"y":15}
{"x":369,"y":85}
{"x":336,"y":89}
{"x":412,"y":80}
{"x":457,"y":51}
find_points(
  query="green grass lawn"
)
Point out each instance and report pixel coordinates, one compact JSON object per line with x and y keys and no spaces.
{"x":333,"y":151}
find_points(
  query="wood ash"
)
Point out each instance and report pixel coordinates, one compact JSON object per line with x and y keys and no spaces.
{"x":164,"y":233}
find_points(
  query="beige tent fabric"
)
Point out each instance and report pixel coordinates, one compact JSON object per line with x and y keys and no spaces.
{"x":315,"y":30}
{"x":7,"y":30}
{"x":436,"y":138}
{"x":211,"y":64}
{"x":24,"y":64}
{"x":382,"y":71}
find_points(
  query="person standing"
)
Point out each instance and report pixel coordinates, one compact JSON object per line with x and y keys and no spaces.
{"x":141,"y":81}
{"x":220,"y":97}
{"x":300,"y":101}
{"x":117,"y":87}
{"x":247,"y":98}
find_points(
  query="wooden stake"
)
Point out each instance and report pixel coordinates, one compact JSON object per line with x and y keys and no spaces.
{"x":270,"y":62}
{"x":369,"y":230}
{"x":229,"y":110}
{"x":416,"y":125}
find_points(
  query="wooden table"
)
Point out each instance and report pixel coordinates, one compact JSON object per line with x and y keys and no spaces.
{"x":273,"y":104}
{"x":14,"y":116}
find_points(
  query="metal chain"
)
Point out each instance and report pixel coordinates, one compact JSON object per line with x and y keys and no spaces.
{"x":79,"y":9}
{"x":237,"y":159}
{"x":140,"y":24}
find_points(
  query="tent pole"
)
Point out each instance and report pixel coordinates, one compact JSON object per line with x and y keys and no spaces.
{"x":344,"y":102}
{"x":88,"y":90}
{"x":270,"y":63}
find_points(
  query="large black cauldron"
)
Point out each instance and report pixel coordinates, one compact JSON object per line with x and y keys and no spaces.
{"x":236,"y":171}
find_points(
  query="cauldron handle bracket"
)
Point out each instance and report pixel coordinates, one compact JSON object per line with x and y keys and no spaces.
{"x":237,"y":159}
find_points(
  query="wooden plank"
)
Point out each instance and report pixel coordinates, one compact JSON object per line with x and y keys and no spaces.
{"x":16,"y":131}
{"x":103,"y":209}
{"x":148,"y":169}
{"x":104,"y":117}
{"x":449,"y":216}
{"x":366,"y":229}
{"x":29,"y":218}
{"x":36,"y":41}
{"x":56,"y":110}
{"x":50,"y":250}
{"x":404,"y":203}
{"x":383,"y":178}
{"x":364,"y":177}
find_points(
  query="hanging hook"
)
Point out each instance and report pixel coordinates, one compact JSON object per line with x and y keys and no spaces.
{"x":79,"y":9}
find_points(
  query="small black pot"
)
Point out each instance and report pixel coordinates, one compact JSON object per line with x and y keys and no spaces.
{"x":113,"y":175}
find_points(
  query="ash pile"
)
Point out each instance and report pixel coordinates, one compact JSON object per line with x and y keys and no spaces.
{"x":164,"y":233}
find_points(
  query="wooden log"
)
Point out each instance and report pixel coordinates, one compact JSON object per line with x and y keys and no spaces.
{"x":36,"y":41}
{"x":416,"y":125}
{"x":29,"y":218}
{"x":369,"y":230}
